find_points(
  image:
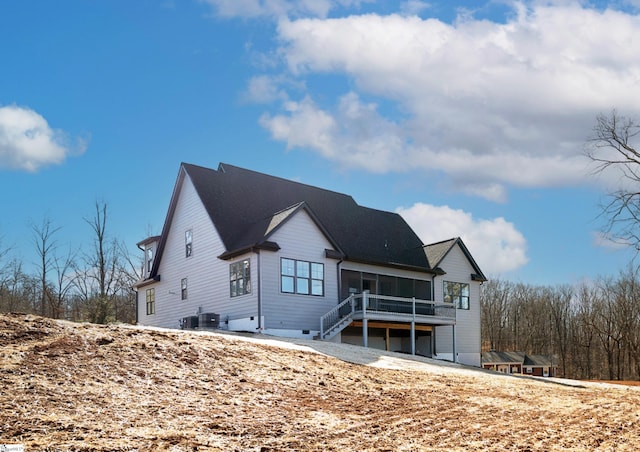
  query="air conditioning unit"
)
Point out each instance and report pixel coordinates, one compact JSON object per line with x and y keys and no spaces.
{"x":208,"y":320}
{"x":189,"y":323}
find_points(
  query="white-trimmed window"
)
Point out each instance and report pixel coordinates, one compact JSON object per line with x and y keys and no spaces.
{"x":183,"y":288}
{"x":188,"y":243}
{"x":301,"y":277}
{"x":149,"y":259}
{"x":240,"y":278}
{"x":151,"y":301}
{"x":458,"y":293}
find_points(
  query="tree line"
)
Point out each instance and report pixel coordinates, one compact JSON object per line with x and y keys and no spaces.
{"x":592,"y":330}
{"x":94,"y":285}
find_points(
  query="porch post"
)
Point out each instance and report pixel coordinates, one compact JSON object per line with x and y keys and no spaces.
{"x":453,"y":329}
{"x":387,"y":339}
{"x":365,"y":322}
{"x":413,"y":326}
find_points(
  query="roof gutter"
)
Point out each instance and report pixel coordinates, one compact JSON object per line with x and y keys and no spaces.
{"x":267,"y":246}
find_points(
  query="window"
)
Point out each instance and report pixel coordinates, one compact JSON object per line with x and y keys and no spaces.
{"x":183,"y":288}
{"x":149,"y":259}
{"x":151,"y":301}
{"x":240,"y":278}
{"x":301,"y":277}
{"x":457,"y":293}
{"x":188,"y":243}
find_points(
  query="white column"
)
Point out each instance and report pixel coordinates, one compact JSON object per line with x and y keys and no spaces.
{"x":365,"y":322}
{"x":413,"y":327}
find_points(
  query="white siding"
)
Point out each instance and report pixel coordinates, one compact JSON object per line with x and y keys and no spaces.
{"x":207,"y":276}
{"x":459,"y":269}
{"x":299,"y":238}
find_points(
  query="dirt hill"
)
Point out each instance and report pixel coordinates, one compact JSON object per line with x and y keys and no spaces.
{"x":71,"y":386}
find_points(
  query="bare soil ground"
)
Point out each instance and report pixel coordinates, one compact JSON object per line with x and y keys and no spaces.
{"x":67,"y":386}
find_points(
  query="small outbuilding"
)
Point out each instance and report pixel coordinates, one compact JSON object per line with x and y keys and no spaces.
{"x":520,"y":363}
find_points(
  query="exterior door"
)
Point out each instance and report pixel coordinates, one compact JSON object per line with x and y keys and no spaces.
{"x":369,"y":284}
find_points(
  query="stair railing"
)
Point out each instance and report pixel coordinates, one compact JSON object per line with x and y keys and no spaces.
{"x":339,"y":313}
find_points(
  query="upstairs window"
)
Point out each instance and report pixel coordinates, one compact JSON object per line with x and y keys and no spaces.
{"x":457,"y":293}
{"x":188,"y":243}
{"x":149,"y":259}
{"x":301,"y":277}
{"x":240,"y":278}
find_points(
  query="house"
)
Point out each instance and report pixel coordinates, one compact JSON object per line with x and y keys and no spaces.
{"x":246,"y":251}
{"x":520,"y":363}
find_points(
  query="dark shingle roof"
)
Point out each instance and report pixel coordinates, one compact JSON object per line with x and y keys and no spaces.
{"x":243,"y":204}
{"x":538,"y":360}
{"x":494,"y":357}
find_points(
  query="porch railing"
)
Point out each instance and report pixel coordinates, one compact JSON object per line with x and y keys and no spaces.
{"x":366,"y":305}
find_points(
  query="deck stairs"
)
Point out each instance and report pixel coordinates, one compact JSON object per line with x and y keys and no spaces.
{"x":337,"y":319}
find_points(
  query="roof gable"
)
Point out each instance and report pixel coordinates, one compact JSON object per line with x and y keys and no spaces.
{"x":281,"y":218}
{"x":436,"y":252}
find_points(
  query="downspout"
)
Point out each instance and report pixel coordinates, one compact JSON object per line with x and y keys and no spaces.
{"x":339,"y":297}
{"x":433,"y":287}
{"x":136,"y":291}
{"x":433,"y":330}
{"x":258,"y":259}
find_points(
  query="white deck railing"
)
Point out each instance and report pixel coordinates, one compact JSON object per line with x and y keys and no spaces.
{"x":382,"y":307}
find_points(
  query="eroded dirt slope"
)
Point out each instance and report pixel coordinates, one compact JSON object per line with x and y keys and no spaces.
{"x":84,"y":387}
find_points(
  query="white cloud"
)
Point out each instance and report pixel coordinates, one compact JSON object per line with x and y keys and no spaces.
{"x":278,"y":8}
{"x":496,"y":244}
{"x":413,"y":7}
{"x":263,"y":89}
{"x":28,"y":143}
{"x":355,"y":134}
{"x":490,"y":104}
{"x":603,"y":240}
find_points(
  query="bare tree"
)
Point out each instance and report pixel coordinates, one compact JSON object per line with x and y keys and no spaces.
{"x":614,"y":147}
{"x":101,"y":265}
{"x":104,"y":281}
{"x":43,"y":237}
{"x":64,"y":283}
{"x":4,"y":251}
{"x":130,"y":272}
{"x":583,"y":336}
{"x":494,"y":302}
{"x":11,"y":286}
{"x":559,"y":305}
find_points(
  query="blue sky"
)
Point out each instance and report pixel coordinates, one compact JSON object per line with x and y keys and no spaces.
{"x":468,"y":118}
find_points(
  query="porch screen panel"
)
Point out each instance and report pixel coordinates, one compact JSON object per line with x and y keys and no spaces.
{"x":405,"y":287}
{"x":387,"y":285}
{"x":423,"y":289}
{"x":350,"y":283}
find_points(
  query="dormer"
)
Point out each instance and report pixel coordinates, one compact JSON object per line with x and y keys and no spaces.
{"x":149,"y":247}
